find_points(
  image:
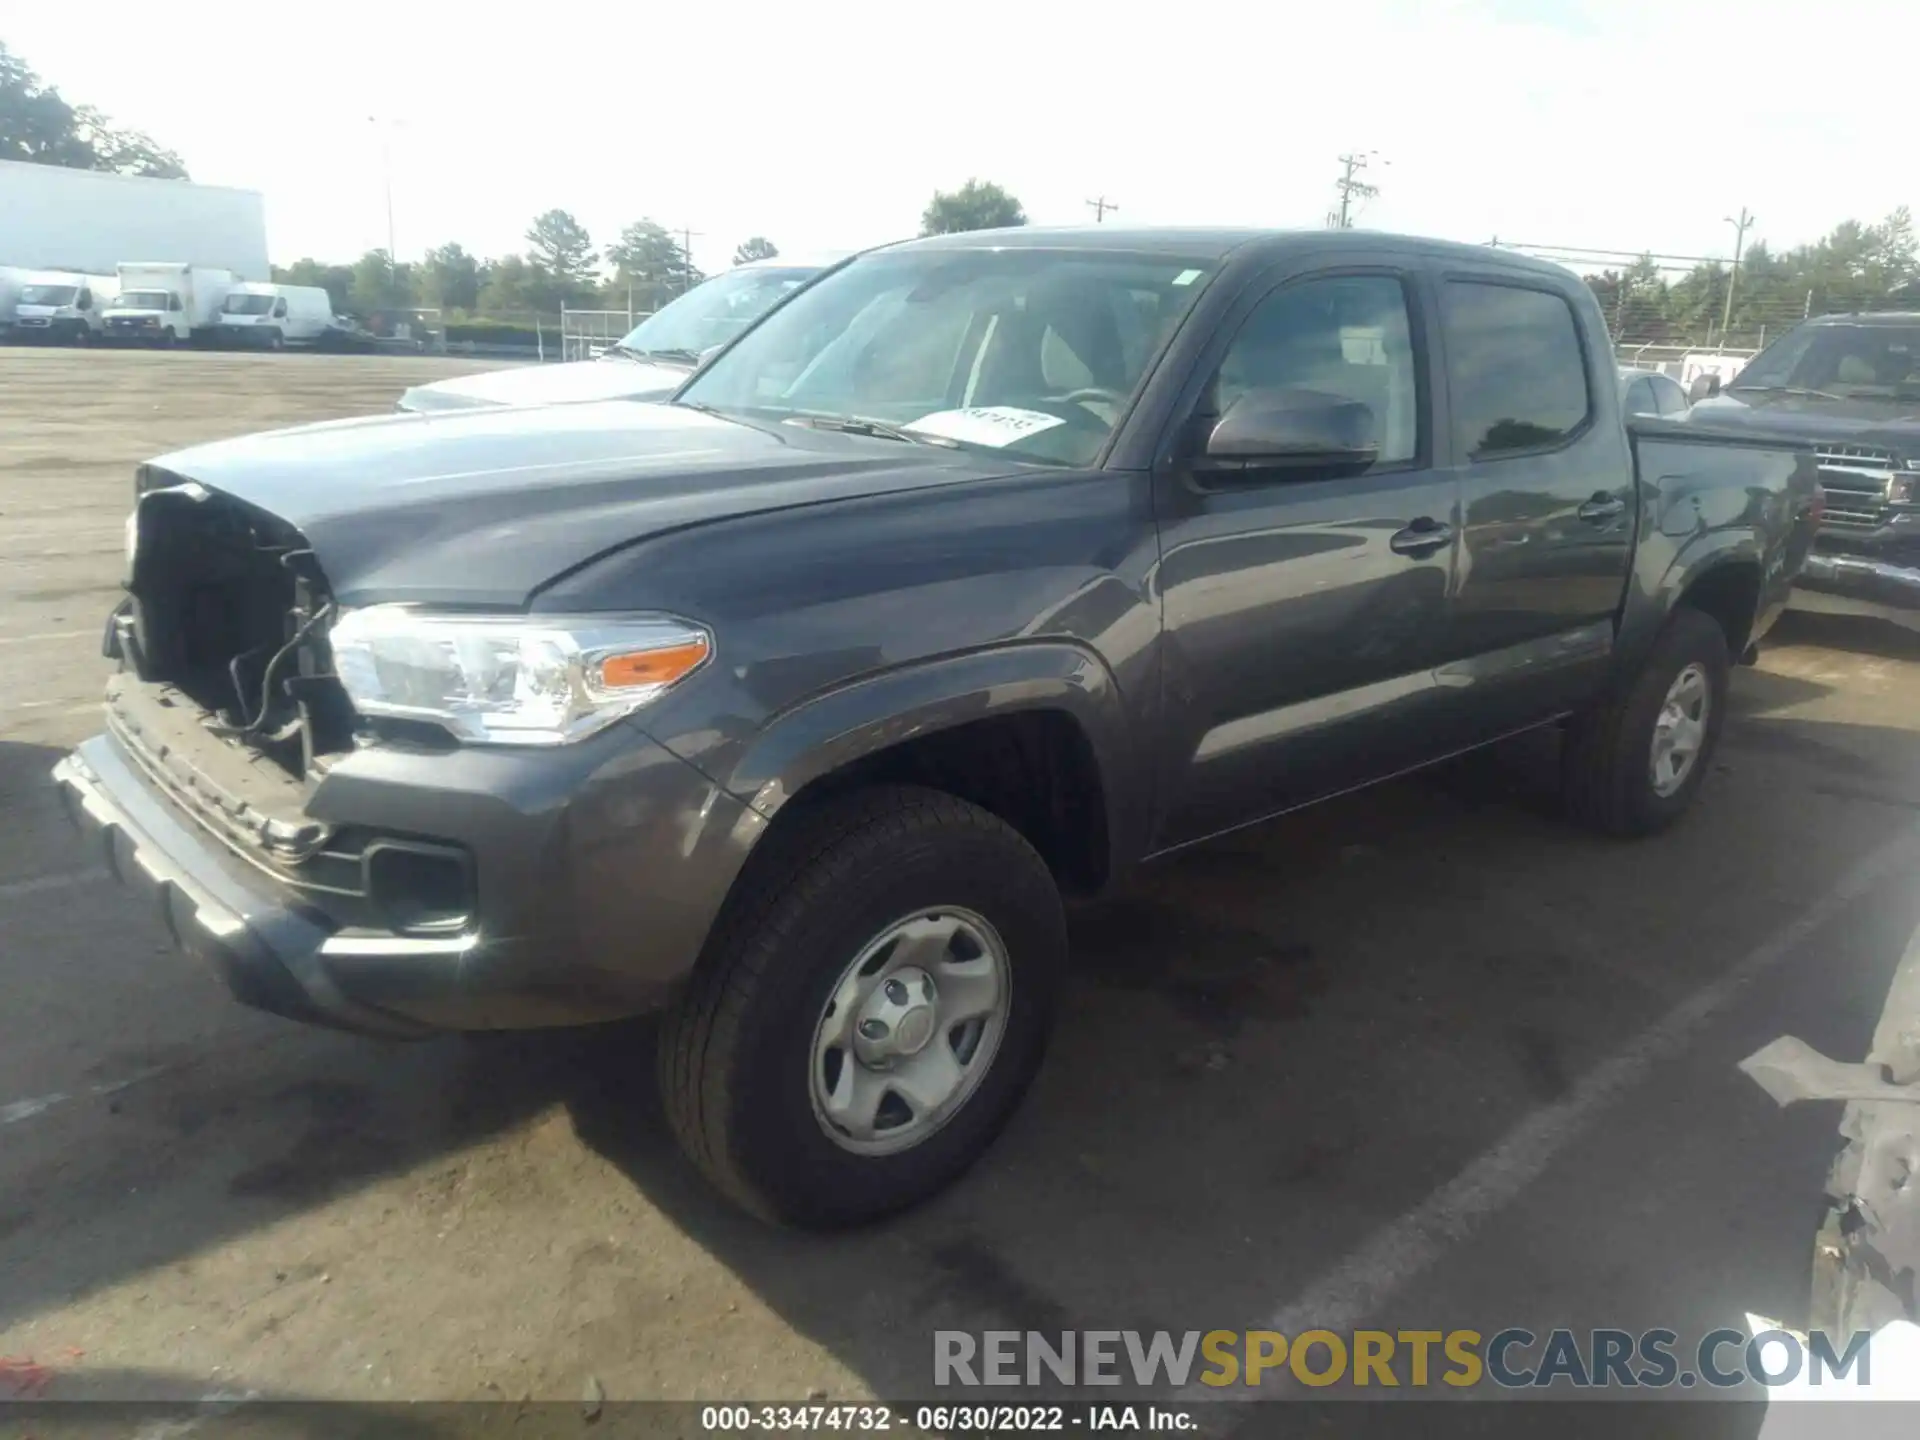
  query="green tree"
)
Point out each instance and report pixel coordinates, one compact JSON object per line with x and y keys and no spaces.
{"x":758,"y":248}
{"x":450,"y":279}
{"x":378,"y":284}
{"x":510,"y":286}
{"x":976,"y":205}
{"x":650,"y":260}
{"x":559,"y":245}
{"x":37,"y":124}
{"x":336,"y":280}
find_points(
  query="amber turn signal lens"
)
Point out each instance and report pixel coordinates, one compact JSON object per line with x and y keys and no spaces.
{"x":651,"y":667}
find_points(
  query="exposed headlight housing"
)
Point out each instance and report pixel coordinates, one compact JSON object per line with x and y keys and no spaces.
{"x":511,"y":679}
{"x":1902,"y":489}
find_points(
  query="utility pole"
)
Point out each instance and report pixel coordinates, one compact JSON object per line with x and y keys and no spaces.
{"x":1100,"y":208}
{"x":1351,"y":188}
{"x":686,"y":258}
{"x":1740,"y":227}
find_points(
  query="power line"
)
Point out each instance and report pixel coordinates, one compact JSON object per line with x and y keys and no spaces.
{"x":1100,"y":207}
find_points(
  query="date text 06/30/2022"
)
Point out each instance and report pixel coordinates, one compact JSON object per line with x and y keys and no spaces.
{"x":947,"y":1418}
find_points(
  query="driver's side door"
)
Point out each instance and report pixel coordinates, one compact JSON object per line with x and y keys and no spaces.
{"x":1305,"y":612}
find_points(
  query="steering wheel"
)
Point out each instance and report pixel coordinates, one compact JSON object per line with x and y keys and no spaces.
{"x":1093,"y":392}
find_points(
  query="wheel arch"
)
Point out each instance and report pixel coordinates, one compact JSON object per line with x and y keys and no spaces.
{"x":1035,"y":733}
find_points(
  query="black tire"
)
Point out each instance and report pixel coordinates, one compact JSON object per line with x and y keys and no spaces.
{"x":1605,"y":763}
{"x":168,"y":340}
{"x":276,"y":340}
{"x":736,"y":1052}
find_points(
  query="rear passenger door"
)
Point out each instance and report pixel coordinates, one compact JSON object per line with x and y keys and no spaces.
{"x":1303,"y":610}
{"x":1547,"y":485}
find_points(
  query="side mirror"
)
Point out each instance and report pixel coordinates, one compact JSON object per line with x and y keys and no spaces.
{"x":1306,"y":430}
{"x":85,"y":302}
{"x":1705,"y":386}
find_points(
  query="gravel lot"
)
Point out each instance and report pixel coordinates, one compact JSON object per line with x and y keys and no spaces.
{"x":1341,"y":1069}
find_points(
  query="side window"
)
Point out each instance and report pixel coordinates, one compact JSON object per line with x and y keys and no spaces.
{"x":1345,"y":335}
{"x":280,"y":309}
{"x":1639,"y":399}
{"x":173,"y":302}
{"x":1517,"y":374}
{"x":85,"y":300}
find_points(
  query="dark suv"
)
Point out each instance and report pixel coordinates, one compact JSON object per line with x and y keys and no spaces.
{"x":1849,"y":386}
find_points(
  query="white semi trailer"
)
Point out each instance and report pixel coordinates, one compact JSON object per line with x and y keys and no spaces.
{"x":85,"y":221}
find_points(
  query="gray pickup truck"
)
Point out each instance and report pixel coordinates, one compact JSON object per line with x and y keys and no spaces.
{"x":974,"y":573}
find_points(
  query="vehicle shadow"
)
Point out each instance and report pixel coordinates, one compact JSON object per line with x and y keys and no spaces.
{"x":1853,"y":634}
{"x":1281,"y":1040}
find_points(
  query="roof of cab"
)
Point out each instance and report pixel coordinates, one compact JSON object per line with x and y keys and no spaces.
{"x":1217,"y":243}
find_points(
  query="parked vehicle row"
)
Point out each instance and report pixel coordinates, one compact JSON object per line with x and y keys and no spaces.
{"x":163,"y":304}
{"x":979,"y":570}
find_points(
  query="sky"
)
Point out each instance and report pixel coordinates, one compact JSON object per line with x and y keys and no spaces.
{"x":827,"y":124}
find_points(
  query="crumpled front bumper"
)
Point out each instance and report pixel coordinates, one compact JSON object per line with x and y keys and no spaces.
{"x":600,"y":868}
{"x":269,"y":954}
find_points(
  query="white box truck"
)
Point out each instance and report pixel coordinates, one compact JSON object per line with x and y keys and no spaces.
{"x":273,"y":316}
{"x":59,"y":308}
{"x":53,"y":218}
{"x":166,"y":303}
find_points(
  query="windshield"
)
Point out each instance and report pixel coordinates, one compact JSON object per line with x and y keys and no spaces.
{"x":142,"y":300}
{"x":713,"y":313}
{"x":1845,"y":360}
{"x":247,"y":304}
{"x":1030,"y":352}
{"x":48,"y":294}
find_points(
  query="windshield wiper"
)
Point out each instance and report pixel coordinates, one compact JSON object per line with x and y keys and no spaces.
{"x":878,"y":429}
{"x":677,"y":357}
{"x":1800,"y":390}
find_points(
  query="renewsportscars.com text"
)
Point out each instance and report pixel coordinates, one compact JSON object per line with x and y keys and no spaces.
{"x":1512,"y":1358}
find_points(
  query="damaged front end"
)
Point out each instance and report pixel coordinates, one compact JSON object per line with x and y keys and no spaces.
{"x":226,"y":616}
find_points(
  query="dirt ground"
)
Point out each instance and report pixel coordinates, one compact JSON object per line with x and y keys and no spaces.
{"x":1424,"y":1057}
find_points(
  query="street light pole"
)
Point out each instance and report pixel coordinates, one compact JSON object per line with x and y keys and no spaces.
{"x":1733,"y":275}
{"x":386,"y":173}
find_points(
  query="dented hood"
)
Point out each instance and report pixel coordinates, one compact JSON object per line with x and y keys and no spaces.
{"x":485,"y":507}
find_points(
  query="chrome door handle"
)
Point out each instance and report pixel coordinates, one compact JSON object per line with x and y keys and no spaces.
{"x":1603,"y":507}
{"x":1421,"y":538}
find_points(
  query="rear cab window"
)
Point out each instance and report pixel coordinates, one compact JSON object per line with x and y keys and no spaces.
{"x":1517,"y":370}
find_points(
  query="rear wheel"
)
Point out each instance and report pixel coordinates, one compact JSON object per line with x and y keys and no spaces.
{"x":870,"y":1009}
{"x":1632,"y":764}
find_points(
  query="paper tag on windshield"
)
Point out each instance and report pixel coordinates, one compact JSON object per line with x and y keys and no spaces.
{"x":986,"y":424}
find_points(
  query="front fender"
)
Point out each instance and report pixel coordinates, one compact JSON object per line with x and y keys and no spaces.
{"x":833,"y":730}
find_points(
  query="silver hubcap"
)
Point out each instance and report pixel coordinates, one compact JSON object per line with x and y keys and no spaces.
{"x":1680,"y":730}
{"x":910,"y":1031}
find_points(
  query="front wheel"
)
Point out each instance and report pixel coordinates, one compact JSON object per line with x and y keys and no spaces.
{"x":1632,"y":764}
{"x":276,"y":340}
{"x":870,"y":1009}
{"x":168,"y":339}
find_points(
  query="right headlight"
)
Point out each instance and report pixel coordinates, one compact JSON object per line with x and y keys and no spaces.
{"x":511,"y":679}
